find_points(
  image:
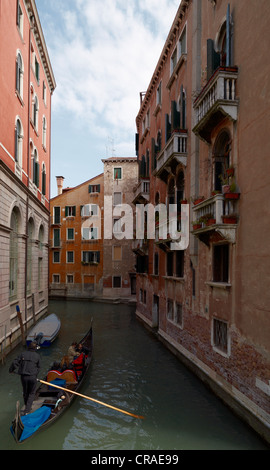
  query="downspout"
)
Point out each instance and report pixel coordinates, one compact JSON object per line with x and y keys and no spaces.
{"x":28,"y":170}
{"x":49,"y":196}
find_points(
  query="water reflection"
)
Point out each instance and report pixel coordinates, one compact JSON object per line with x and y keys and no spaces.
{"x":133,"y":371}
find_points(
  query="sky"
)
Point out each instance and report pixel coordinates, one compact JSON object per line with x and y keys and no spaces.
{"x":103,"y":54}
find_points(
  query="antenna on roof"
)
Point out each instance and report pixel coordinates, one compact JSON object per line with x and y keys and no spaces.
{"x":110,"y":148}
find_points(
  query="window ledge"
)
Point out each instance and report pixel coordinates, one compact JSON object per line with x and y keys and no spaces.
{"x":174,"y":278}
{"x":219,"y":285}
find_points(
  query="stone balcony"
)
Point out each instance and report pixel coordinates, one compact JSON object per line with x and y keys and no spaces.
{"x":140,"y":247}
{"x":174,"y":152}
{"x":216,"y":215}
{"x":142,"y":191}
{"x":216,"y":101}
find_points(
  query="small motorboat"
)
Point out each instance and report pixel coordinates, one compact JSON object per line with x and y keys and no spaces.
{"x":45,"y":331}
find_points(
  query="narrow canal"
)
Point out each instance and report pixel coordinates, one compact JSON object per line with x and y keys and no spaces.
{"x":133,"y":371}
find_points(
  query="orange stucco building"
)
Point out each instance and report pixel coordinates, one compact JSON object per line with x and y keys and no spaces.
{"x":26,"y":86}
{"x":202,"y":140}
{"x":76,"y":240}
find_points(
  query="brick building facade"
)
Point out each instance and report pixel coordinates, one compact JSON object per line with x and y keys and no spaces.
{"x":202,"y":139}
{"x":26,"y":86}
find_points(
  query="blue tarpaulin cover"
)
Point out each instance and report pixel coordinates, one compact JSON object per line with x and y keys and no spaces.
{"x":58,"y":382}
{"x":33,"y":421}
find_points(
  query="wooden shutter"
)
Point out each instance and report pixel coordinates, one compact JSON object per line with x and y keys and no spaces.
{"x":167,"y":128}
{"x":44,"y":183}
{"x":213,"y":58}
{"x":175,"y":116}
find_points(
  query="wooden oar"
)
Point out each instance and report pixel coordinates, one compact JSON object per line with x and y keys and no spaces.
{"x":89,"y":398}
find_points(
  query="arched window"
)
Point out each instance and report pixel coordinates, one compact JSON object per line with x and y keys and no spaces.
{"x":221,"y":157}
{"x":13,"y":254}
{"x":19,"y":75}
{"x":18,"y":142}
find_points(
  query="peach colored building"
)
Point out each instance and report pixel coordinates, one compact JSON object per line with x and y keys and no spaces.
{"x":120,"y":178}
{"x":26,"y":87}
{"x":202,"y":139}
{"x":76,"y":240}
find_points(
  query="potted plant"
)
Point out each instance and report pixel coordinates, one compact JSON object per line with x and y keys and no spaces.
{"x":230,"y":219}
{"x":215,"y":192}
{"x":197,"y":200}
{"x":208,"y":219}
{"x":196,"y":224}
{"x":232,"y":193}
{"x":230,"y":171}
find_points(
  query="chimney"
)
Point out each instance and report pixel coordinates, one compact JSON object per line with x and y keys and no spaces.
{"x":60,"y":182}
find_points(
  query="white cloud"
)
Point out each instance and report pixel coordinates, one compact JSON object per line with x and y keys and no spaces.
{"x":104,"y":54}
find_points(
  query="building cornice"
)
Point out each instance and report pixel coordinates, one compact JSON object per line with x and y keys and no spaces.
{"x":169,"y":43}
{"x":40,"y":40}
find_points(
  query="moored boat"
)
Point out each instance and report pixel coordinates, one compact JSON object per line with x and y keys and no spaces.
{"x":51,"y":402}
{"x":45,"y":331}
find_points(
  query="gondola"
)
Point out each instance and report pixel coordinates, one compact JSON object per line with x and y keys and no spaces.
{"x":45,"y":331}
{"x":50,"y":402}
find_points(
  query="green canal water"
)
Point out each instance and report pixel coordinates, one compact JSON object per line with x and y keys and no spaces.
{"x":133,"y":371}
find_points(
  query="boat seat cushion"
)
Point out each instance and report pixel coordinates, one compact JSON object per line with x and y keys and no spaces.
{"x":68,"y":376}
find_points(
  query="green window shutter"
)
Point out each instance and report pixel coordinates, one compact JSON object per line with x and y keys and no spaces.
{"x":74,"y":210}
{"x":18,"y":13}
{"x":36,"y":174}
{"x":137,"y":144}
{"x":98,"y":188}
{"x":153,"y":153}
{"x":167,"y":128}
{"x":90,"y":188}
{"x":44,"y":183}
{"x":56,"y":236}
{"x":175,"y":116}
{"x":66,"y":211}
{"x":183,"y":105}
{"x":213,"y":58}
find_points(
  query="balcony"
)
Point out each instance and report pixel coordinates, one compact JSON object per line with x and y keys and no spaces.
{"x":216,"y":216}
{"x":216,"y":101}
{"x":140,"y":247}
{"x":174,"y":152}
{"x":142,"y":192}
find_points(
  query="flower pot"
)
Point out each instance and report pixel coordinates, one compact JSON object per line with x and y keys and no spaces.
{"x":226,"y":188}
{"x":229,"y":219}
{"x":197,"y":201}
{"x":211,"y":222}
{"x":197,"y":226}
{"x":231,"y":195}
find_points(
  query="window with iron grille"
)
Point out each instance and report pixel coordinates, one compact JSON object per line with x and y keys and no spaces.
{"x":220,"y":335}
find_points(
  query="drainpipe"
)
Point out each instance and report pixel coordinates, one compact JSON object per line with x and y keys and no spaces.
{"x":28,"y":170}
